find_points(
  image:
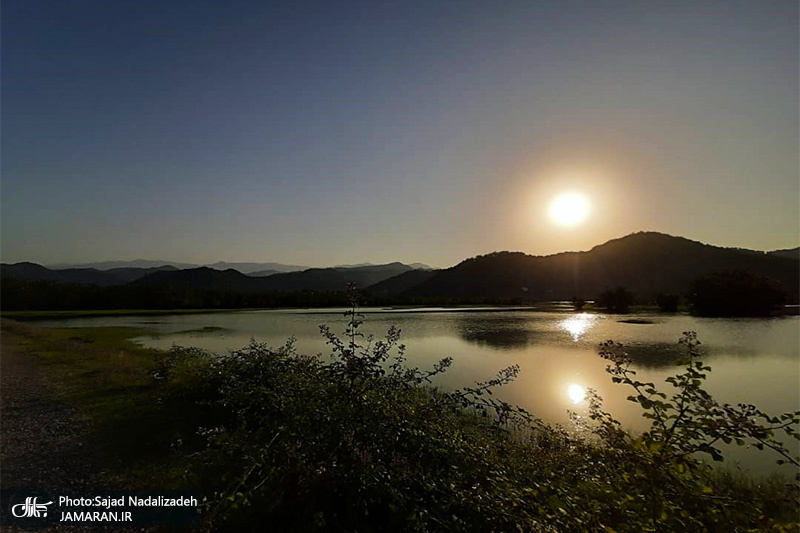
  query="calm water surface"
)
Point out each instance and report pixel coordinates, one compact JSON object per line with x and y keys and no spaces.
{"x":753,"y":360}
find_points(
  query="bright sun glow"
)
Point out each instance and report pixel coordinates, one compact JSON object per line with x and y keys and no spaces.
{"x":576,"y":393}
{"x":569,"y":209}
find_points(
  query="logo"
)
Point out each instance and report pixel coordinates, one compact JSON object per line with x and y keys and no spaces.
{"x":30,"y":509}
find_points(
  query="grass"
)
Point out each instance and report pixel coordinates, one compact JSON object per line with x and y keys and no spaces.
{"x":109,"y":378}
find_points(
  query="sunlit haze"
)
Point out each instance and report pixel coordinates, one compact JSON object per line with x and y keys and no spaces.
{"x":323,"y":133}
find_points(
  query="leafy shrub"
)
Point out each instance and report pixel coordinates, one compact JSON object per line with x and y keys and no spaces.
{"x":361,"y":442}
{"x":662,"y":475}
{"x":365,"y":443}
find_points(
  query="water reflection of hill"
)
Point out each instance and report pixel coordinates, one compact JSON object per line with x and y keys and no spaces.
{"x":655,"y":354}
{"x":663,"y":354}
{"x":500,"y":332}
{"x":504,"y":332}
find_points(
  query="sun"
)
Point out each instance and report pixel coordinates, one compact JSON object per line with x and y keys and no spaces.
{"x":569,"y":209}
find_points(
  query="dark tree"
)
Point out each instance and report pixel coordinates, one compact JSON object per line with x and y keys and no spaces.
{"x":734,"y":293}
{"x":667,"y":302}
{"x":618,"y":300}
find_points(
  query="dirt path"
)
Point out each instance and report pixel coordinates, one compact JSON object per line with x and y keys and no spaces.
{"x":44,"y":443}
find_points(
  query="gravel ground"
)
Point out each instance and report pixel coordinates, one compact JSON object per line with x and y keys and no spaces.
{"x":44,"y":443}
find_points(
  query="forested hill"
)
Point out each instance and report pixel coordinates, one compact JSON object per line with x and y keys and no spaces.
{"x":331,"y":279}
{"x":645,"y":263}
{"x":317,"y":279}
{"x":791,"y":253}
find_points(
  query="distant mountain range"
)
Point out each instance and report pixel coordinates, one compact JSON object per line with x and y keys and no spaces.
{"x":645,"y":263}
{"x":244,"y":268}
{"x":251,"y":269}
{"x":108,"y":265}
{"x":318,"y":279}
{"x":416,"y":266}
{"x":93,"y":276}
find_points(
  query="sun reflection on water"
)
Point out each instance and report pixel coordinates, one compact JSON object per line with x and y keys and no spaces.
{"x":577,"y":325}
{"x":576,"y":393}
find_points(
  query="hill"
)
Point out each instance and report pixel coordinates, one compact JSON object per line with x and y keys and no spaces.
{"x":312,"y":279}
{"x":202,"y":278}
{"x":402,"y":282}
{"x":331,"y":279}
{"x":791,"y":253}
{"x":645,"y":262}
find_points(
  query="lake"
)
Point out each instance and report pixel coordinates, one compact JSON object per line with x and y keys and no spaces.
{"x":753,"y":360}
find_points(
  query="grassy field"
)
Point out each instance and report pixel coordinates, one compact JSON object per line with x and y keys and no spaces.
{"x":111,"y":380}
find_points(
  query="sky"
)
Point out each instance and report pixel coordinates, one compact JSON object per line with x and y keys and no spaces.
{"x":323,"y":133}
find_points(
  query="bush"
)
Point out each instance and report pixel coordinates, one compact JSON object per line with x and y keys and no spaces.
{"x":365,"y":443}
{"x":660,"y":470}
{"x":361,"y":443}
{"x":618,"y":300}
{"x":667,"y":303}
{"x":734,"y":293}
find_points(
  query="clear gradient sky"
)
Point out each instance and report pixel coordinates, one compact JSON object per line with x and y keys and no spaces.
{"x":324,"y":133}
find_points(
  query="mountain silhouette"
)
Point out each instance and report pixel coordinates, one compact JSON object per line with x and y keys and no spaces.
{"x":245,"y":268}
{"x":328,"y":279}
{"x":93,"y":276}
{"x":253,"y":268}
{"x":791,"y":253}
{"x":645,"y":263}
{"x":202,"y":278}
{"x":402,"y":282}
{"x":108,"y":265}
{"x":314,"y":279}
